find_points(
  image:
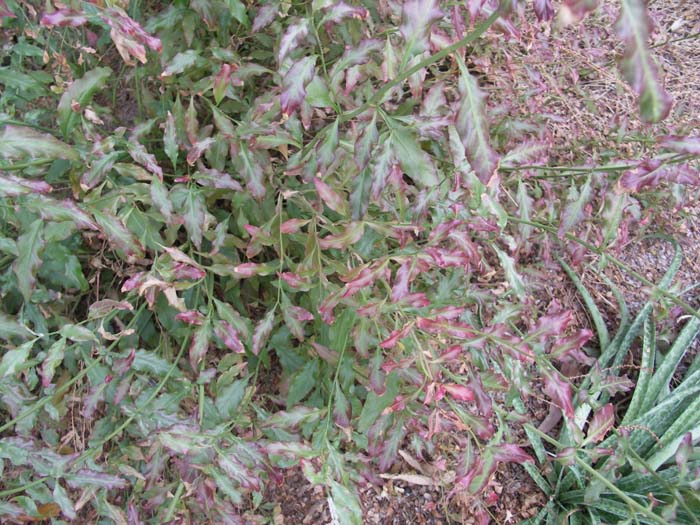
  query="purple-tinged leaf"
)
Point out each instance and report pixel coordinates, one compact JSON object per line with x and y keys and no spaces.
{"x":396,"y":336}
{"x":161,"y":200}
{"x":198,"y":149}
{"x":180,"y":63}
{"x":294,"y":35}
{"x":60,"y":496}
{"x":352,"y":234}
{"x":295,"y":82}
{"x":559,"y":391}
{"x":294,"y":318}
{"x":650,"y":173}
{"x":689,"y":145}
{"x":330,"y":197}
{"x":212,"y":178}
{"x":265,"y":16}
{"x":458,"y":392}
{"x":199,"y":345}
{"x":574,"y":10}
{"x":12,"y":186}
{"x":194,"y":214}
{"x":252,"y":172}
{"x":638,"y":65}
{"x":147,"y":160}
{"x":192,"y":317}
{"x":472,"y":126}
{"x":128,"y":36}
{"x":294,"y":280}
{"x":117,"y":233}
{"x":293,"y":225}
{"x":17,"y":142}
{"x":5,"y":11}
{"x":543,"y":10}
{"x":65,"y":210}
{"x":221,"y":82}
{"x":229,"y":336}
{"x":417,"y":17}
{"x":247,"y":270}
{"x":92,"y":479}
{"x":603,"y":420}
{"x":262,"y":332}
{"x":29,"y":244}
{"x":340,"y":11}
{"x":102,"y":308}
{"x":366,"y":140}
{"x":551,"y":325}
{"x":63,"y":18}
{"x":403,"y":277}
{"x":508,"y":452}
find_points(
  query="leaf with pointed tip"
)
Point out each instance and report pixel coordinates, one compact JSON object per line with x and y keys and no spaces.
{"x":252,"y":172}
{"x":512,"y":276}
{"x":17,"y":142}
{"x":79,"y":93}
{"x":472,"y":126}
{"x":65,"y":210}
{"x":161,"y":200}
{"x":345,"y":505}
{"x":194,"y":216}
{"x":262,"y":332}
{"x":29,"y":244}
{"x":330,"y":197}
{"x":199,"y":344}
{"x":292,"y":37}
{"x":12,"y":186}
{"x":638,"y":65}
{"x":147,"y":160}
{"x":13,"y":360}
{"x":573,"y":209}
{"x":689,"y":145}
{"x":365,"y":142}
{"x":170,"y":139}
{"x":603,"y":420}
{"x":10,"y":327}
{"x":54,"y":357}
{"x":180,"y":63}
{"x":295,"y":82}
{"x":544,"y":9}
{"x":559,"y":391}
{"x":415,"y":162}
{"x":92,"y":479}
{"x":417,"y":18}
{"x":265,"y":16}
{"x":360,"y":196}
{"x":221,"y":82}
{"x":117,"y":233}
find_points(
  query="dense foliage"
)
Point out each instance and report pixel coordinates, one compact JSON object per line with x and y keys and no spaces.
{"x":242,"y":236}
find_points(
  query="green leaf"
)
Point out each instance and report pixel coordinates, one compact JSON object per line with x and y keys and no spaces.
{"x":80,"y":92}
{"x":27,"y":263}
{"x":14,"y":360}
{"x":252,"y":172}
{"x":415,"y":162}
{"x":78,"y":333}
{"x":238,"y":11}
{"x":472,"y":126}
{"x":374,"y":404}
{"x":29,"y":86}
{"x":54,"y":357}
{"x":359,"y":198}
{"x":170,"y":140}
{"x":117,"y":233}
{"x":180,"y":62}
{"x":229,"y":398}
{"x":573,"y":209}
{"x":512,"y":276}
{"x":151,"y":363}
{"x":302,"y":382}
{"x":10,"y":327}
{"x":60,"y":496}
{"x":18,"y":142}
{"x":345,"y":506}
{"x":194,"y":215}
{"x":638,"y":65}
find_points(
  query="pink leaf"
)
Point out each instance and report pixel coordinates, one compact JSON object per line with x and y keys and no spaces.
{"x":262,"y":332}
{"x":689,"y":145}
{"x":559,"y":391}
{"x":507,"y":452}
{"x":544,"y":9}
{"x":4,"y":11}
{"x":330,"y":197}
{"x":352,"y":234}
{"x":417,"y":17}
{"x":190,"y":317}
{"x":602,"y":421}
{"x":294,"y":35}
{"x":395,"y":336}
{"x":574,"y":10}
{"x":63,"y":18}
{"x":459,"y":392}
{"x":199,"y":345}
{"x":401,"y":281}
{"x":551,"y":325}
{"x":229,"y":336}
{"x":292,"y":225}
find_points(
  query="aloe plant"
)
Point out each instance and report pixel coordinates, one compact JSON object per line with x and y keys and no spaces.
{"x":638,"y":467}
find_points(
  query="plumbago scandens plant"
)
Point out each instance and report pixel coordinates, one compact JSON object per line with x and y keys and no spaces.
{"x":239,"y":237}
